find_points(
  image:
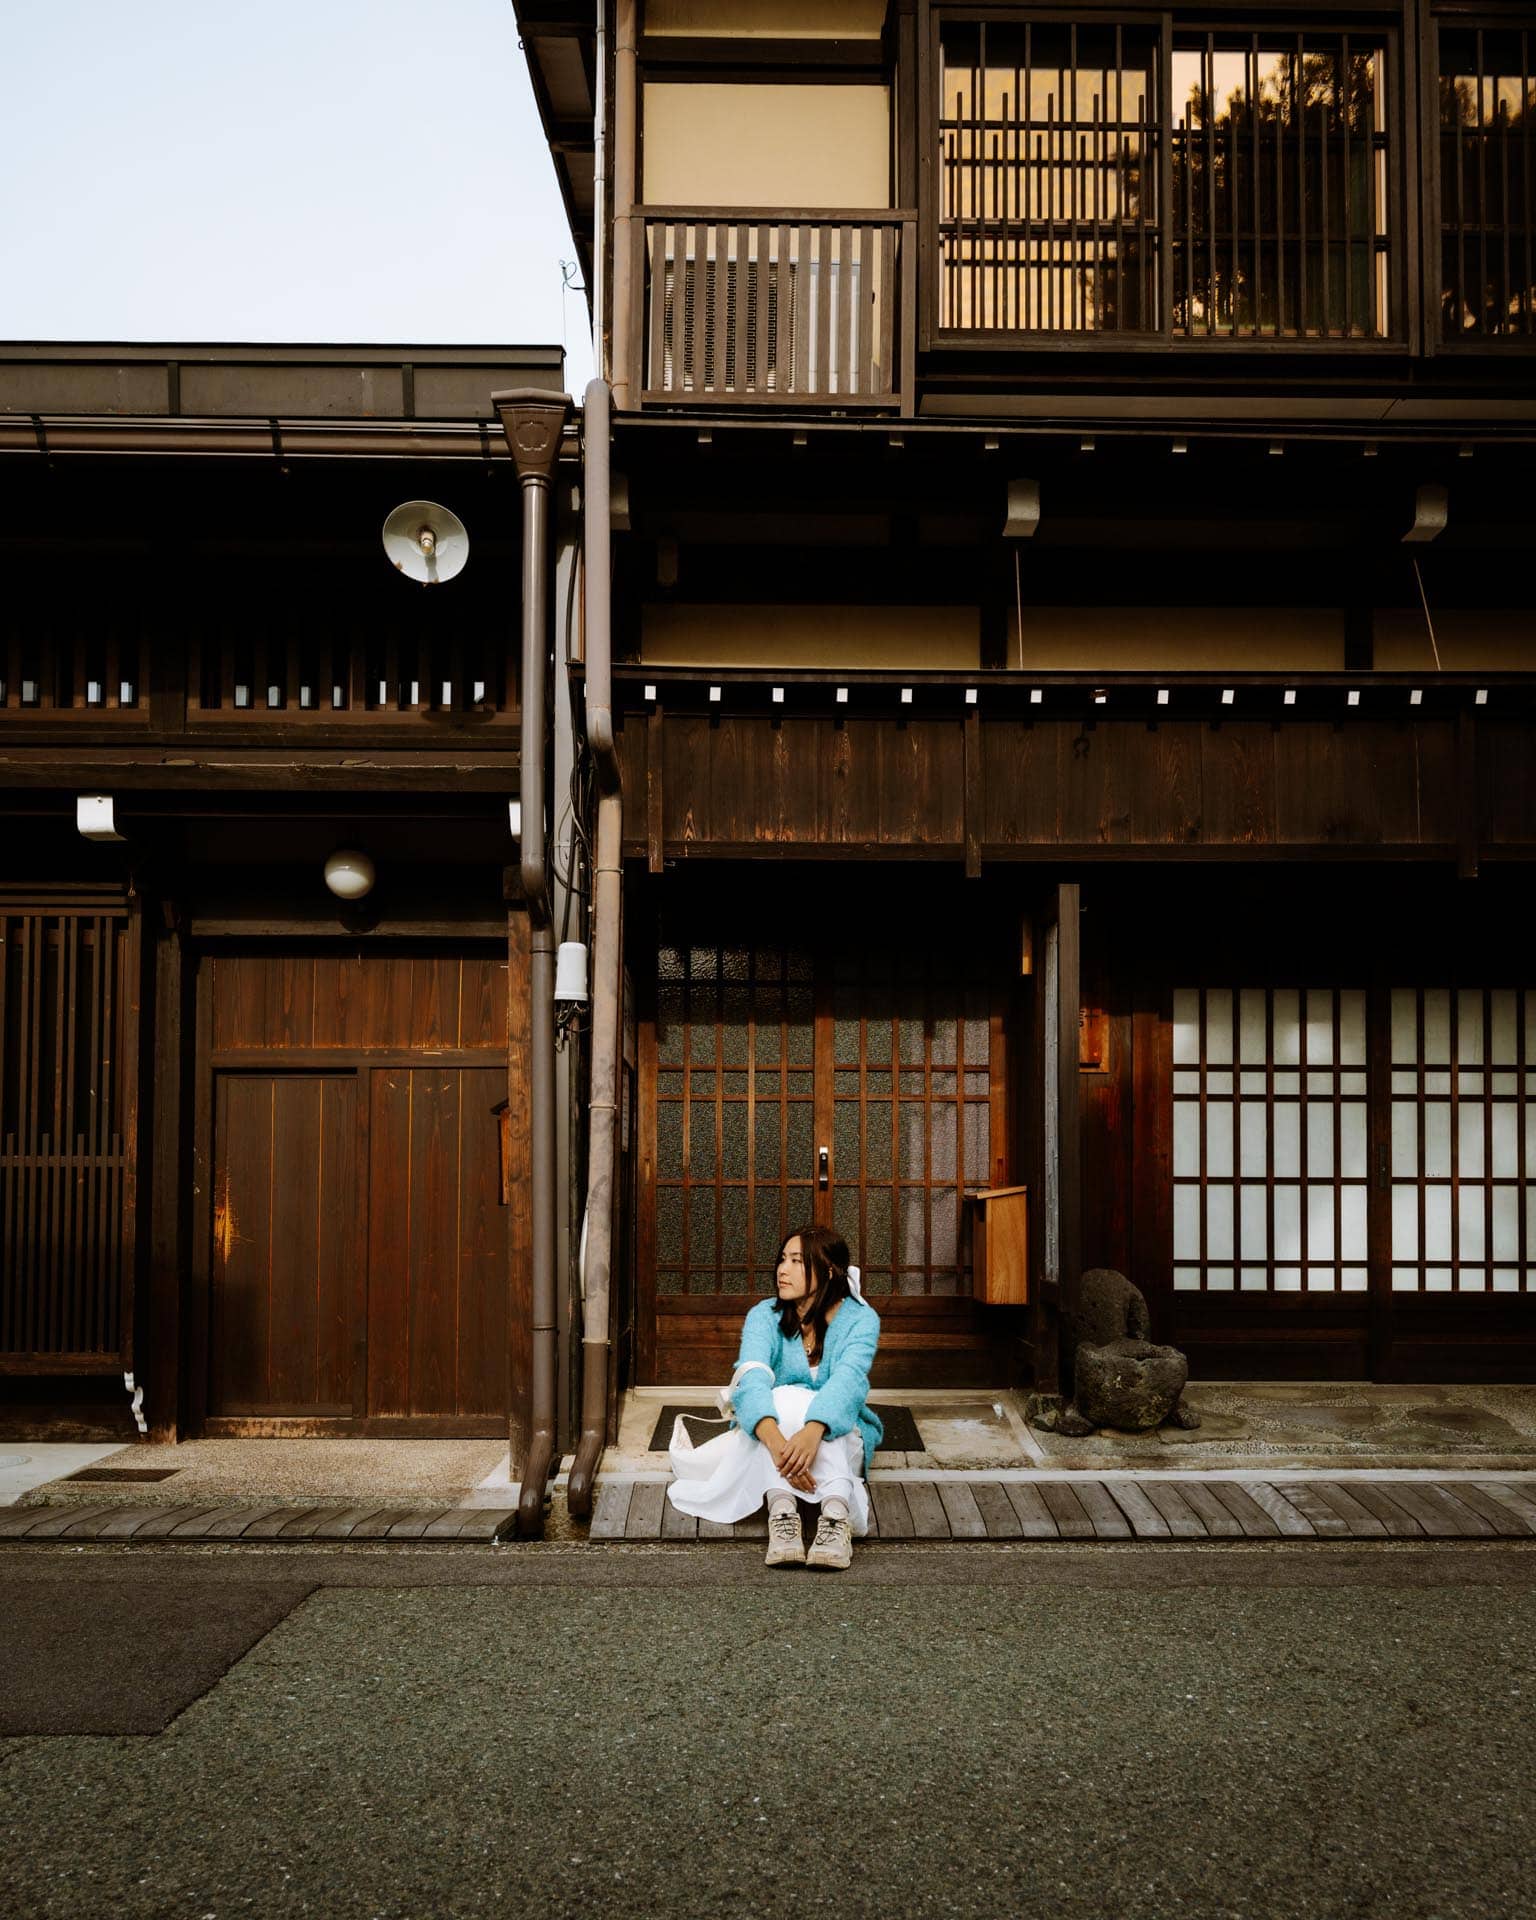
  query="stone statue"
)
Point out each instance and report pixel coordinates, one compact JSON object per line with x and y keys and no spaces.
{"x":1119,"y":1377}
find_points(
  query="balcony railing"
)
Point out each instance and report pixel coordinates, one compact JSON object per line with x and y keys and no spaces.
{"x":776,"y":305}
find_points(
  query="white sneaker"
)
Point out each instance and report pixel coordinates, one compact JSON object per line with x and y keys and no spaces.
{"x":786,"y":1542}
{"x":832,"y":1549}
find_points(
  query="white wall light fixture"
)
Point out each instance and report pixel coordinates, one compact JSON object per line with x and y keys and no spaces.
{"x":349,"y":874}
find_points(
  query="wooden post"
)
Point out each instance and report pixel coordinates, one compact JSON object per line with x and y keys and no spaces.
{"x":519,"y":1176}
{"x":1070,"y":1140}
{"x":160,"y":1361}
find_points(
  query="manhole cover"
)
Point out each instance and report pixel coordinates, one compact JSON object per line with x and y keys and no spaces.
{"x":14,"y":1459}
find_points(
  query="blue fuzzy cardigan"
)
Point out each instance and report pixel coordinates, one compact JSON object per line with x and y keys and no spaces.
{"x":841,"y":1388}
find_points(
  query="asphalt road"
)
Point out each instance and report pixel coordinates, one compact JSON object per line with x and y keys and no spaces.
{"x":1243,"y":1731}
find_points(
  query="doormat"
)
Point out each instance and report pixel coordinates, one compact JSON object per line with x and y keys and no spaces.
{"x":901,"y":1434}
{"x":123,"y":1473}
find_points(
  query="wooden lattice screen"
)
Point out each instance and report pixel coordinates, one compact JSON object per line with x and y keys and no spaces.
{"x":68,"y":1124}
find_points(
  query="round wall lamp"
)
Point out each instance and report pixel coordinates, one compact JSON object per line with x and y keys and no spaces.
{"x":349,"y":874}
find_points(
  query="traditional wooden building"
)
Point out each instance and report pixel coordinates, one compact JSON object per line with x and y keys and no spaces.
{"x":1067,"y":667}
{"x":276,"y":1155}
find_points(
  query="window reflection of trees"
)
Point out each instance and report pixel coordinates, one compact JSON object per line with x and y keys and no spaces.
{"x":1487,"y":156}
{"x":1055,"y":215}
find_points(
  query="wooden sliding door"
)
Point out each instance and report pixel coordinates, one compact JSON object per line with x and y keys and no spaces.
{"x":858,"y":1083}
{"x":357,"y":1242}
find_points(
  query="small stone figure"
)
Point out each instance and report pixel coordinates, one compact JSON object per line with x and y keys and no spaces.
{"x":1120,"y":1378}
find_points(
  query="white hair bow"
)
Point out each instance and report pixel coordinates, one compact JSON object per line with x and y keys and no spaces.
{"x":853,"y":1283}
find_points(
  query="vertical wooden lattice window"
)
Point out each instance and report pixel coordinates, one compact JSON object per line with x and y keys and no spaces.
{"x":1048,"y":144}
{"x":68,"y":1047}
{"x":1487,"y":184}
{"x":1279,"y":164}
{"x":1463,"y":1156}
{"x":911,"y":1091}
{"x":1269,"y":1140}
{"x":735,"y":1060}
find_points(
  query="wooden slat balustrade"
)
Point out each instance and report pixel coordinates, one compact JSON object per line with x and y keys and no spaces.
{"x":773,"y":304}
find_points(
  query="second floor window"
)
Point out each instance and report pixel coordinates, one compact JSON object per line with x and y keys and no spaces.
{"x":1181,"y":183}
{"x":1487,"y":161}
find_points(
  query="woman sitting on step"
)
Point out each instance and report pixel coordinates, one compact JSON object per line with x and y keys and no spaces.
{"x":801,"y":1404}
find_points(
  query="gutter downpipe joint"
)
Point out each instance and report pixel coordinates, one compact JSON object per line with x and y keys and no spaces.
{"x":532,"y":419}
{"x":607,"y":956}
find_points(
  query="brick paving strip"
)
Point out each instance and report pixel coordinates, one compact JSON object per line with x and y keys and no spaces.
{"x":955,"y":1507}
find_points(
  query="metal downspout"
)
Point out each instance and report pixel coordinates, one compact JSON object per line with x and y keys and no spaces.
{"x":532,"y":419}
{"x":607,"y":960}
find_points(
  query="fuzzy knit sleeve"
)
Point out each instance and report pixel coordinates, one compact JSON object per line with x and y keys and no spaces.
{"x":840,"y":1398}
{"x":759,"y":1341}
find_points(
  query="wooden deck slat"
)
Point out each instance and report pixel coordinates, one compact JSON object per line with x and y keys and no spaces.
{"x":961,"y":1511}
{"x":301,"y":1526}
{"x":1441,"y":1519}
{"x":1521,"y":1500}
{"x":50,"y":1525}
{"x":1363,"y":1524}
{"x":1183,"y":1522}
{"x":339,"y":1525}
{"x":1071,"y":1517}
{"x":1146,"y":1522}
{"x":449,"y":1525}
{"x":1305,"y":1498}
{"x":890,"y":1499}
{"x":484,"y":1523}
{"x":716,"y":1530}
{"x":1472,"y":1523}
{"x":1280,"y":1510}
{"x":928,"y":1518}
{"x":997,"y":1512}
{"x":268,"y":1525}
{"x":1218,"y":1523}
{"x":676,"y":1525}
{"x":18,"y":1520}
{"x":610,"y":1510}
{"x":645,"y":1505}
{"x":1109,"y":1523}
{"x":162,"y":1525}
{"x":874,"y":1521}
{"x":126,"y":1521}
{"x":1035,"y":1521}
{"x":229,"y":1523}
{"x":1506,"y":1520}
{"x":377,"y":1525}
{"x":1377,"y":1499}
{"x":414,"y":1525}
{"x":1249,"y":1515}
{"x":754,"y":1527}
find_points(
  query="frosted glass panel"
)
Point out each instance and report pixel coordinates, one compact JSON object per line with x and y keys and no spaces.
{"x":1352,"y":1028}
{"x":1186,"y":1223}
{"x":1355,"y":1279}
{"x":1405,"y":1223}
{"x":1254,"y":1124}
{"x":1319,"y":1029}
{"x":1218,"y":1140}
{"x":1437,"y":1223}
{"x":1287,"y":1279}
{"x":1218,"y":1223}
{"x":1352,"y":1241}
{"x":1322,"y":1280}
{"x":1437,"y":1280}
{"x":1287,"y":1018}
{"x":1437,"y":1139}
{"x":1287,"y":1124}
{"x":1504,"y":1028}
{"x":1472,"y":1280}
{"x":1186,"y":1139}
{"x":1469,"y":1028}
{"x":1219,"y":1279}
{"x":1319,"y":1141}
{"x":1469,"y":1140}
{"x":1437,"y":1028}
{"x":1251,"y":1010}
{"x":1405,"y":1140}
{"x":1320,"y":1223}
{"x":1219,"y":1082}
{"x":1470,"y":1229}
{"x":1253,"y":1230}
{"x":1218,"y":1027}
{"x":1506,"y":1142}
{"x":1287,"y":1223}
{"x":1405,"y":1279}
{"x":1186,"y":1083}
{"x":1186,"y":1027}
{"x":1186,"y":1279}
{"x":1405,"y":1025}
{"x":1253,"y":1279}
{"x":1506,"y":1223}
{"x":1352,"y":1141}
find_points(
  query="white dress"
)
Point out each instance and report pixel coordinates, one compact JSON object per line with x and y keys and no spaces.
{"x":742,"y":1472}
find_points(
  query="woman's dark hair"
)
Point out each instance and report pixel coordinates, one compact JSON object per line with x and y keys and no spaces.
{"x":825,"y":1255}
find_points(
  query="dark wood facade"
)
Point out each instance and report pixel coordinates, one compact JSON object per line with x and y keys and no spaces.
{"x":266,"y":1151}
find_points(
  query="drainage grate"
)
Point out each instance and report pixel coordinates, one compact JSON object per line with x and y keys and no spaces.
{"x":123,"y":1473}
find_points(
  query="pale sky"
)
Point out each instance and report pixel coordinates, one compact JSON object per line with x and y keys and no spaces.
{"x":279,"y":170}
